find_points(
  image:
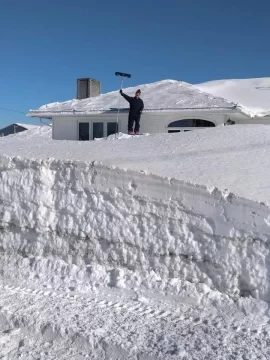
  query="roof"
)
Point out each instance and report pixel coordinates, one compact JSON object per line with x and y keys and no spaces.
{"x":252,"y":94}
{"x":26,"y":126}
{"x":166,"y":95}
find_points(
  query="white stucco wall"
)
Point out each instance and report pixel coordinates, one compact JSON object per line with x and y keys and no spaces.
{"x":256,"y":120}
{"x":66,"y":127}
{"x":158,"y":123}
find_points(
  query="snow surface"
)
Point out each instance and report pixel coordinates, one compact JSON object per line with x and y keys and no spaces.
{"x":218,"y":157}
{"x":106,"y":253}
{"x":252,"y":94}
{"x":161,"y":95}
{"x":28,"y":126}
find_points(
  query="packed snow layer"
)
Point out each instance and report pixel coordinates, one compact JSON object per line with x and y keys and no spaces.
{"x":253,"y":94}
{"x":132,"y":229}
{"x":161,"y":95}
{"x":103,"y":263}
{"x":236,"y":158}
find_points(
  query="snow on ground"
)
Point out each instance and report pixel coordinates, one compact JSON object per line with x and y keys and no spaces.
{"x":217,"y":157}
{"x":253,"y":94}
{"x":179,"y":95}
{"x":133,"y":249}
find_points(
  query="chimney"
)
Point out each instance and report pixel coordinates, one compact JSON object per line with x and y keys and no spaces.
{"x":87,"y":87}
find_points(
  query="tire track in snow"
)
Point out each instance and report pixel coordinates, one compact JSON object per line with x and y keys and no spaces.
{"x":133,"y":307}
{"x":173,"y":316}
{"x":129,"y":322}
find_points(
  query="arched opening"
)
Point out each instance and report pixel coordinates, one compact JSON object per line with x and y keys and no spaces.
{"x":188,"y":125}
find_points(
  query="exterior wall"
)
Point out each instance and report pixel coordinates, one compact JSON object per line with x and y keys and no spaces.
{"x":67,"y":127}
{"x":256,"y":120}
{"x":64,"y":128}
{"x":158,"y":123}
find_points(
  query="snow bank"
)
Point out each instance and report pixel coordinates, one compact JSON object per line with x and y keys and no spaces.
{"x":252,"y":94}
{"x":236,"y":158}
{"x":77,"y":224}
{"x":109,"y":263}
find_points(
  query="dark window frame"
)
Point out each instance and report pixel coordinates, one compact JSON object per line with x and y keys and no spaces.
{"x":93,"y":130}
{"x":84,"y":123}
{"x":115,"y":127}
{"x":191,"y":123}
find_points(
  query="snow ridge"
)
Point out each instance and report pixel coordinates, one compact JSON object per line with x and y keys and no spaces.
{"x":84,"y":225}
{"x":251,"y":94}
{"x":162,"y":96}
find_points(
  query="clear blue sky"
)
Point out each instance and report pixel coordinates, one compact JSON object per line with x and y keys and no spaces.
{"x":47,"y":45}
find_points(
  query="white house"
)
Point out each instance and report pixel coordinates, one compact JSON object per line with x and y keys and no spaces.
{"x":169,"y":106}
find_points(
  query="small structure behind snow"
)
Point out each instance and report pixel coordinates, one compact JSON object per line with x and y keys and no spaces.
{"x":16,"y":128}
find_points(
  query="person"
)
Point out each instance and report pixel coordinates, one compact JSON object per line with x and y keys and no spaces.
{"x":136,"y":108}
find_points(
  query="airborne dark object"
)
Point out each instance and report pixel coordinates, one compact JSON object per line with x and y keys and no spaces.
{"x":123,"y":74}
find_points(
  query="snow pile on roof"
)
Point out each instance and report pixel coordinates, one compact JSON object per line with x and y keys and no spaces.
{"x":252,"y":94}
{"x":28,"y":126}
{"x":220,"y":157}
{"x":124,"y":264}
{"x":161,"y":95}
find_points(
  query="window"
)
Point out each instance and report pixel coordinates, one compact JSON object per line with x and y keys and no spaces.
{"x":191,"y":123}
{"x":83,"y":131}
{"x":173,"y":131}
{"x":97,"y":130}
{"x":112,"y":128}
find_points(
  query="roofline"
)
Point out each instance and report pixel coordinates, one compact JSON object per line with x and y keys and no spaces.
{"x":13,"y":124}
{"x":50,"y":114}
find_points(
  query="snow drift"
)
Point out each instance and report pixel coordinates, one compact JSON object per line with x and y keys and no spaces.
{"x":110,"y":251}
{"x":80,"y":225}
{"x":252,"y":94}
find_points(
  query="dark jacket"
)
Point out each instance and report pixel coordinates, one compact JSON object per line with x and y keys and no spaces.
{"x":136,"y":105}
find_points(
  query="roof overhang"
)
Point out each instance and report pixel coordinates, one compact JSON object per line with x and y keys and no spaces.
{"x":74,"y":113}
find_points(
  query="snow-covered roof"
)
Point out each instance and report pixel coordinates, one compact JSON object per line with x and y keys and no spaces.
{"x":28,"y":126}
{"x":252,"y":94}
{"x":165,"y":95}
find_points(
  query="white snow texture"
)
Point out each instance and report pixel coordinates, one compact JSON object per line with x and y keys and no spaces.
{"x":111,"y":262}
{"x":250,"y":96}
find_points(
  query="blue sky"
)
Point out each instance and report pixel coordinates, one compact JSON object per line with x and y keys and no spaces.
{"x":47,"y":45}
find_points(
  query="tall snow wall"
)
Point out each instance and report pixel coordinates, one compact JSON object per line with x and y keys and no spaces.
{"x":85,"y":225}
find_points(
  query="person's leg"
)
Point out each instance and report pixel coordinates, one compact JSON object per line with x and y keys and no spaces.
{"x":130,"y":123}
{"x":137,"y":124}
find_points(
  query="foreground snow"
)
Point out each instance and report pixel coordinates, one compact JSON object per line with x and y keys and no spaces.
{"x":107,"y":252}
{"x":45,"y":324}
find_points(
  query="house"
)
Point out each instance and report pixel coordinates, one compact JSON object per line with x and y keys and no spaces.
{"x":169,"y":106}
{"x":16,"y":128}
